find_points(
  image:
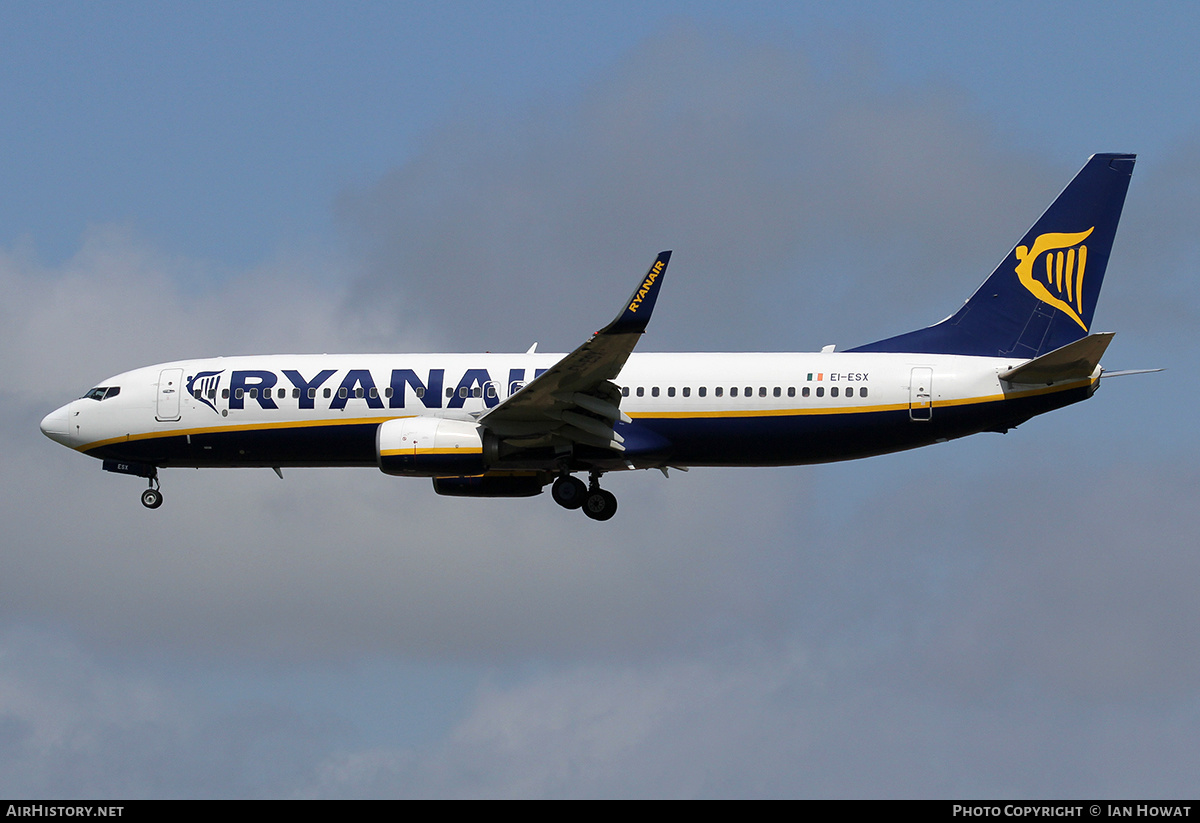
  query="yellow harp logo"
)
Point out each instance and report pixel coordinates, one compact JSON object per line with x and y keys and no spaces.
{"x":1061,"y":285}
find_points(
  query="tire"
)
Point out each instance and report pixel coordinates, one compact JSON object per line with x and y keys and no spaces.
{"x":600,"y":505}
{"x":152,"y":498}
{"x":568,"y":492}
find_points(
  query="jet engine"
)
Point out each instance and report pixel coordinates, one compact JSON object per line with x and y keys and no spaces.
{"x":429,"y":447}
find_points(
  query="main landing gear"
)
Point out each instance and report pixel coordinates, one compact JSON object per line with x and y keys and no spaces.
{"x":570,"y":493}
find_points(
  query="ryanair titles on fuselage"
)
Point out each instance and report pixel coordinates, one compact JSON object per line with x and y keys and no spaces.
{"x":262,"y":386}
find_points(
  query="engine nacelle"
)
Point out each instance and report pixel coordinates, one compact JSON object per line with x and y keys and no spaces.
{"x":524,"y":484}
{"x":429,"y":446}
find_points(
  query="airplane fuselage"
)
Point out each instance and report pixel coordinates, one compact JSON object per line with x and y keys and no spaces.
{"x":686,"y":409}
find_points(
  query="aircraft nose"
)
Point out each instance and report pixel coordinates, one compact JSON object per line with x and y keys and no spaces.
{"x":56,"y":425}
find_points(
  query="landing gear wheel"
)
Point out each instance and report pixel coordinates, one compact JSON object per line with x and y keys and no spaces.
{"x":568,"y":492}
{"x":152,"y":498}
{"x":599,"y":504}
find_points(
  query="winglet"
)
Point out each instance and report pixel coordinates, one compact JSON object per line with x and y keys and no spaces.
{"x":635,"y":316}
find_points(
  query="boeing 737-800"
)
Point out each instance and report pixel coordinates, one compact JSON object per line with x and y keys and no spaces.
{"x":507,"y":425}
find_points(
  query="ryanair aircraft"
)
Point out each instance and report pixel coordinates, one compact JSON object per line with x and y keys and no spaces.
{"x":507,"y":425}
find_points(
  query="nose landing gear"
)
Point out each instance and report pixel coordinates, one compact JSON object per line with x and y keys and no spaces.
{"x":152,"y":498}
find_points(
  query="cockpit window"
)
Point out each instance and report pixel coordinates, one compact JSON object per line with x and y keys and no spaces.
{"x":102,"y":393}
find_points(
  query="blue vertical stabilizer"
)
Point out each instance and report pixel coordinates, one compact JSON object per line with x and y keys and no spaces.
{"x":1043,"y":295}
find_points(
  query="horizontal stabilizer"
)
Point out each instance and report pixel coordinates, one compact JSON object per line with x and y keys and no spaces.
{"x":1074,"y":361}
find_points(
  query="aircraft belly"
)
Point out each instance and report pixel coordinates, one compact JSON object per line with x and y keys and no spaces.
{"x":797,"y":439}
{"x":351,"y":444}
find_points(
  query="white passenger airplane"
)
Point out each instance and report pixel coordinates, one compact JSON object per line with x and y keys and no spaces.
{"x":507,"y":425}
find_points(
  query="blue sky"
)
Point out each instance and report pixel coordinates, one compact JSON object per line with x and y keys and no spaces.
{"x":1002,"y":616}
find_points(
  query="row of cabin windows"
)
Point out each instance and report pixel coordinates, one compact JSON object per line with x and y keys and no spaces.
{"x":719,"y":391}
{"x":343,"y":392}
{"x":477,"y":391}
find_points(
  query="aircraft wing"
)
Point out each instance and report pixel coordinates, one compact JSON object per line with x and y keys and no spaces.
{"x":575,"y":399}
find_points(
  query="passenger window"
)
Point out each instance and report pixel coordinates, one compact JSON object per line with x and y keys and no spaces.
{"x":654,"y":391}
{"x":687,"y":392}
{"x":449,"y":392}
{"x":778,"y":391}
{"x":625,"y":391}
{"x":373,"y":393}
{"x":358,"y":392}
{"x":733,"y":391}
{"x":862,"y":392}
{"x":477,"y":392}
{"x":820,"y":391}
{"x":833,"y":392}
{"x":670,"y":391}
{"x":419,"y":392}
{"x":850,"y":391}
{"x":749,"y":391}
{"x":720,"y":390}
{"x":328,"y":393}
{"x":238,"y":393}
{"x":702,"y":391}
{"x":312,"y":392}
{"x":343,"y":393}
{"x":491,"y":390}
{"x":641,"y":391}
{"x":224,"y":394}
{"x":791,"y":391}
{"x":804,"y":392}
{"x":212,"y":394}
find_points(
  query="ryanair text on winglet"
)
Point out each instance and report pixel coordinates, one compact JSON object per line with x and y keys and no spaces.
{"x":645,"y":289}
